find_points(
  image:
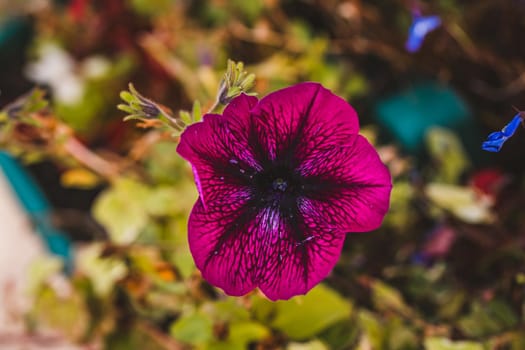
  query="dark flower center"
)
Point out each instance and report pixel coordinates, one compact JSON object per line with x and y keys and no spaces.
{"x":279,"y":184}
{"x":276,"y":182}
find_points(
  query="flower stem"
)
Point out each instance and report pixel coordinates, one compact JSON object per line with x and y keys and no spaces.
{"x":214,"y":107}
{"x":91,"y":160}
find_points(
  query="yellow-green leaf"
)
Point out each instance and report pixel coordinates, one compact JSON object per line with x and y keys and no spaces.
{"x":460,"y":201}
{"x":435,"y":343}
{"x":102,"y":272}
{"x":194,"y":328}
{"x":311,"y":345}
{"x":121,"y":210}
{"x":305,"y":316}
{"x":79,"y":178}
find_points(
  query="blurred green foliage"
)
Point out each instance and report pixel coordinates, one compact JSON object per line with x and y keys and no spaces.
{"x":445,"y":271}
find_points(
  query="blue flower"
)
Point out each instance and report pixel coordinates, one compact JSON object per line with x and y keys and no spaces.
{"x":421,"y":26}
{"x":496,"y":139}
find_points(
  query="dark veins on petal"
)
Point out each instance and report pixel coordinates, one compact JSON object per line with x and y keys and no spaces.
{"x":288,"y":149}
{"x":273,"y":210}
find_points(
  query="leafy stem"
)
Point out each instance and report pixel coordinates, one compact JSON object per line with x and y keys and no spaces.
{"x":236,"y":80}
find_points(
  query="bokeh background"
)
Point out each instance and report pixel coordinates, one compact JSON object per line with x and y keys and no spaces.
{"x":94,"y":209}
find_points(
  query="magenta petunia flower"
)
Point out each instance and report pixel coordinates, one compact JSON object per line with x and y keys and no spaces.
{"x":281,"y":182}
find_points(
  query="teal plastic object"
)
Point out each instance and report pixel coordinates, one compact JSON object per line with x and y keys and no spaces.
{"x":37,"y":207}
{"x":14,"y":33}
{"x":408,"y":115}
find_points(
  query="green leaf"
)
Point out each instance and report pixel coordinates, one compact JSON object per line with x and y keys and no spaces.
{"x":386,"y":298}
{"x":32,"y":102}
{"x":400,"y":215}
{"x":241,"y":331}
{"x":127,"y":97}
{"x":41,"y":269}
{"x":151,"y":7}
{"x":451,"y":303}
{"x":303,"y":317}
{"x":180,"y":254}
{"x":121,"y":210}
{"x":240,"y":335}
{"x":164,"y":166}
{"x":460,"y":201}
{"x":194,"y":328}
{"x":141,"y":108}
{"x":183,"y":259}
{"x":372,"y":330}
{"x":196,"y":111}
{"x":185,"y":116}
{"x":491,"y":318}
{"x":102,"y":272}
{"x":248,"y":11}
{"x":435,"y":343}
{"x":166,"y":302}
{"x":163,"y":201}
{"x":170,"y":200}
{"x":127,"y":109}
{"x":67,"y":314}
{"x":229,"y":310}
{"x":448,"y":154}
{"x":235,"y":81}
{"x":135,"y":338}
{"x":356,"y":86}
{"x":311,"y":345}
{"x":400,"y":336}
{"x":341,"y":335}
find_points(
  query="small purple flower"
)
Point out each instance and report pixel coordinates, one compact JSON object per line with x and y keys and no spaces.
{"x":421,"y":26}
{"x":496,"y":139}
{"x":281,"y":181}
{"x":437,"y":245}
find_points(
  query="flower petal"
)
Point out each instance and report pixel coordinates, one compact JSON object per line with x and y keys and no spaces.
{"x":242,"y":247}
{"x":218,"y":151}
{"x":299,"y":118}
{"x":222,"y":250}
{"x":496,"y":139}
{"x":494,"y":142}
{"x":238,"y":110}
{"x":421,"y":26}
{"x":348,"y":185}
{"x":293,"y":265}
{"x":513,"y":125}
